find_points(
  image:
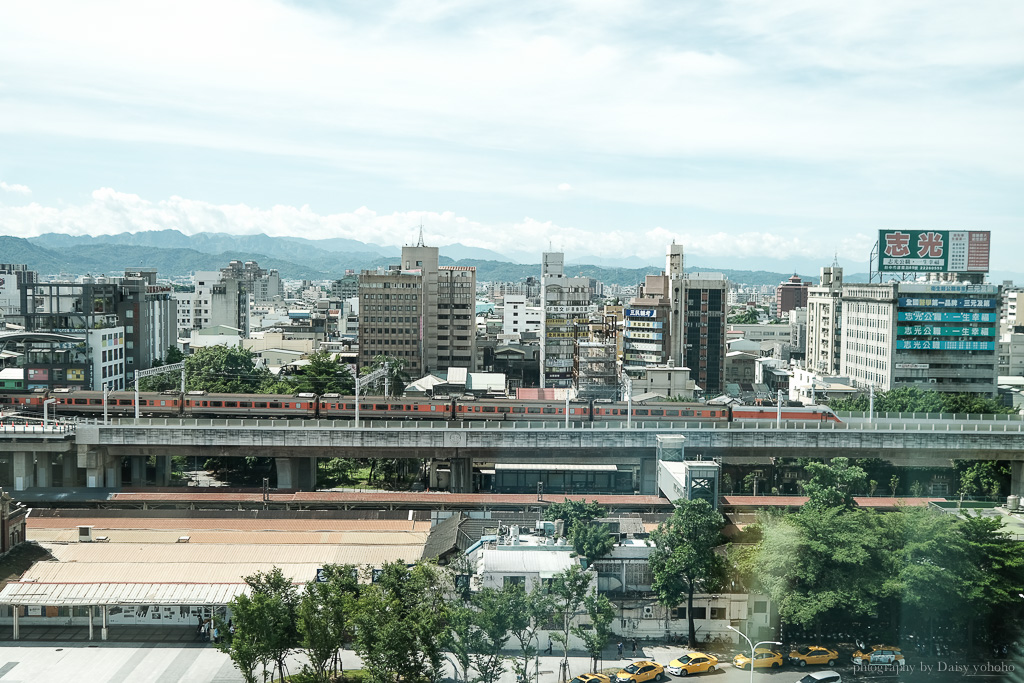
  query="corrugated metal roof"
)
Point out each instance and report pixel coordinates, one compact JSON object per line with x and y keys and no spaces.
{"x":163,"y":536}
{"x":220,"y":523}
{"x":545,"y":562}
{"x":128,"y":572}
{"x":58,"y":594}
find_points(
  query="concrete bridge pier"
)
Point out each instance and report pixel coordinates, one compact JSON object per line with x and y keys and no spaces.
{"x":296,"y":473}
{"x":138,"y":464}
{"x":1017,"y":478}
{"x":163,"y":470}
{"x":69,"y":465}
{"x":24,"y":470}
{"x":461,"y":474}
{"x":44,"y":470}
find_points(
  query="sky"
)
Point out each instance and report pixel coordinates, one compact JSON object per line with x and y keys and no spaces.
{"x":776,"y":134}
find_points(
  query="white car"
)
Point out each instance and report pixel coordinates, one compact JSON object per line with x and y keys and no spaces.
{"x":822,"y":677}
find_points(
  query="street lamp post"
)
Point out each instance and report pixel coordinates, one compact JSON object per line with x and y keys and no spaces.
{"x":753,"y":647}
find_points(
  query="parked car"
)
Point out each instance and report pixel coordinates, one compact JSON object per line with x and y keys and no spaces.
{"x":879,"y":655}
{"x":822,"y":677}
{"x":592,"y":678}
{"x":692,"y":663}
{"x":763,"y":659}
{"x":813,"y":654}
{"x":640,"y":672}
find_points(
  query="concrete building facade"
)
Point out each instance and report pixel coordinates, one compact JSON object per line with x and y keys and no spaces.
{"x":824,"y":318}
{"x":790,"y":294}
{"x":568,"y":303}
{"x":706,"y":306}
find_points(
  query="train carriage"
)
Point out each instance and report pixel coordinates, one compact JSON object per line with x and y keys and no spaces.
{"x":271,"y":406}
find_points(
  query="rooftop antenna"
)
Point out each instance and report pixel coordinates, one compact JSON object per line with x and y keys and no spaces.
{"x":835,"y":260}
{"x":420,"y":243}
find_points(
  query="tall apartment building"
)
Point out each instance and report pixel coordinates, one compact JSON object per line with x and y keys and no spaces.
{"x":568,"y":303}
{"x":647,"y":334}
{"x":676,"y":324}
{"x":706,"y":308}
{"x":789,"y":295}
{"x":419,"y":311}
{"x":12,"y":277}
{"x":118,"y":324}
{"x":824,"y":322}
{"x":217,"y":300}
{"x":261,"y":284}
{"x":937,"y":336}
{"x":518,"y":317}
{"x":345,"y":288}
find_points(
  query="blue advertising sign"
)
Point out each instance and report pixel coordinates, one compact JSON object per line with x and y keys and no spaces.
{"x":929,"y":345}
{"x":949,"y":303}
{"x":945,"y":317}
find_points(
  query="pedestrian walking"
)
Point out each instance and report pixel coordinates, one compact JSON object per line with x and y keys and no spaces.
{"x":620,"y":649}
{"x":550,"y":644}
{"x":634,"y":647}
{"x":216,"y":634}
{"x":199,"y":623}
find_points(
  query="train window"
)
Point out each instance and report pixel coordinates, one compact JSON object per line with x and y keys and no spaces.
{"x":379,"y":407}
{"x":274,"y":405}
{"x":503,"y":409}
{"x":78,"y":402}
{"x":672,"y":413}
{"x":657,"y":412}
{"x":687,"y":413}
{"x":206,"y":404}
{"x":244,"y":404}
{"x":550,"y":411}
{"x":533,"y":410}
{"x":489,"y":409}
{"x":433,"y":408}
{"x":230,"y":404}
{"x":255,"y":405}
{"x":215,"y":404}
{"x":516,"y":409}
{"x":350,"y":406}
{"x":95,"y":402}
{"x":640,"y":411}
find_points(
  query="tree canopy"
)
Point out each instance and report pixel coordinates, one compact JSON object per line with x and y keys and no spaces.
{"x":684,"y":560}
{"x":914,"y":400}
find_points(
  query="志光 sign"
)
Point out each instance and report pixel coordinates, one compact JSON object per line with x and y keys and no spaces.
{"x":933,"y":251}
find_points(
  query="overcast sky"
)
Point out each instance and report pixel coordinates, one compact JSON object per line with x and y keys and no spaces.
{"x":755,"y":132}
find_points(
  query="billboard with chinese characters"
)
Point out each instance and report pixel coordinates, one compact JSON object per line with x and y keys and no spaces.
{"x":933,"y":251}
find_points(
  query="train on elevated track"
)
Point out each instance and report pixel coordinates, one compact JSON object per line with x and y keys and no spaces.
{"x":64,"y":403}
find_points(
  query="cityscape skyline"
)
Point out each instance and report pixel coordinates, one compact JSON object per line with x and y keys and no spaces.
{"x":772,"y":134}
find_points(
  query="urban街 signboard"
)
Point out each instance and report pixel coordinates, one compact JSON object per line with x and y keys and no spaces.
{"x":933,"y":251}
{"x":942,"y":331}
{"x":946,"y":317}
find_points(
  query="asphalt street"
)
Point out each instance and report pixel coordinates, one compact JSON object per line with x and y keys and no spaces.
{"x":199,"y":663}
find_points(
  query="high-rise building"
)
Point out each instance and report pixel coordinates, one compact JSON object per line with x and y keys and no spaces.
{"x":676,"y":326}
{"x":789,"y":295}
{"x":940,"y":336}
{"x":218,"y":300}
{"x":419,"y":311}
{"x":261,"y":284}
{"x":647,"y":337}
{"x":568,"y":303}
{"x":12,"y":277}
{"x":706,"y":308}
{"x":824,"y":322}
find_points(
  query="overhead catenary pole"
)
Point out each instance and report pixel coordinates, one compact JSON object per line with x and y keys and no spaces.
{"x":381,"y":372}
{"x":778,"y":410}
{"x":159,"y":370}
{"x":871,"y":403}
{"x":627,"y":383}
{"x":106,"y":391}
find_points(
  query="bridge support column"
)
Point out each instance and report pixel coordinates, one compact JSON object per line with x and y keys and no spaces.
{"x":112,"y":471}
{"x":138,"y":470}
{"x":24,"y":471}
{"x":649,"y":476}
{"x":1017,"y":478}
{"x":462,"y":475}
{"x":70,"y":466}
{"x":287,"y":474}
{"x":44,"y":470}
{"x":163,"y":470}
{"x":91,"y":460}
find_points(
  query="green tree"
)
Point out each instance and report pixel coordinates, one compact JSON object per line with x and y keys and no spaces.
{"x":279,"y":598}
{"x":526,"y":611}
{"x":461,"y":638}
{"x":245,"y":646}
{"x":833,"y":484}
{"x":324,"y":373}
{"x":818,"y":562}
{"x":216,"y":369}
{"x":894,"y":485}
{"x":980,"y":476}
{"x":914,"y":400}
{"x":400,"y":624}
{"x":323,"y":618}
{"x":592,"y":541}
{"x":575,"y":513}
{"x":684,"y":561}
{"x":601,"y":615}
{"x":493,"y":620}
{"x":569,"y":588}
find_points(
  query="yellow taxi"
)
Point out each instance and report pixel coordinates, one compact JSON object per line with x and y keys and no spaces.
{"x":763,"y":659}
{"x":592,"y":678}
{"x":879,"y":655}
{"x":692,"y":663}
{"x":813,"y":654}
{"x":640,"y":672}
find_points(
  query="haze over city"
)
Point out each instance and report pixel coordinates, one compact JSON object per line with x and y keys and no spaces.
{"x":761,"y":135}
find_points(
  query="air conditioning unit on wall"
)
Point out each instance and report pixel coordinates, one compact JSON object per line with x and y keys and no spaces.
{"x":648,"y":611}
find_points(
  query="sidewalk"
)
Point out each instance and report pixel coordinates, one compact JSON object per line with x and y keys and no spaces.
{"x":176,"y":636}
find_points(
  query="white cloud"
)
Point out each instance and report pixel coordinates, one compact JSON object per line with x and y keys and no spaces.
{"x":564,"y":187}
{"x":15,"y":188}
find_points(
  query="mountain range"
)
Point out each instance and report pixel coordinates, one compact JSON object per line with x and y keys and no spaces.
{"x":173,"y":254}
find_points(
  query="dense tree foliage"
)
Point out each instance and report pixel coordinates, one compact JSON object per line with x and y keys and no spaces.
{"x":574,"y":512}
{"x":684,"y":561}
{"x":569,"y":589}
{"x":397,"y":377}
{"x":914,"y":400}
{"x":324,"y":373}
{"x":601,"y":614}
{"x":218,"y":369}
{"x":324,"y":620}
{"x":833,"y":484}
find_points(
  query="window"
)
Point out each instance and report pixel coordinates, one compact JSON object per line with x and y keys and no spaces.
{"x":760,"y":606}
{"x":514,"y":581}
{"x":700,"y":612}
{"x":718,"y":613}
